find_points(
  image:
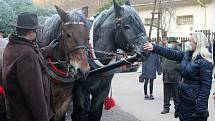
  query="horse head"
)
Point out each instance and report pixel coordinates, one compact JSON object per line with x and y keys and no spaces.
{"x":130,"y":32}
{"x":73,"y":44}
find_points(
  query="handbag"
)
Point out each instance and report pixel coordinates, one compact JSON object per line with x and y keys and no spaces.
{"x":141,"y":80}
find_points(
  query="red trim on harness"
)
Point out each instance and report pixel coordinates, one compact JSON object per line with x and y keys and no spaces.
{"x":53,"y":80}
{"x":1,"y":90}
{"x":91,"y":51}
{"x":56,"y":69}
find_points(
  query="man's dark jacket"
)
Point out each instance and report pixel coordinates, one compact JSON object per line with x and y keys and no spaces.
{"x":170,"y":70}
{"x":26,"y":82}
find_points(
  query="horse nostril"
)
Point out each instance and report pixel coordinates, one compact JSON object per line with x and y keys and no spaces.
{"x":82,"y":74}
{"x":79,"y":71}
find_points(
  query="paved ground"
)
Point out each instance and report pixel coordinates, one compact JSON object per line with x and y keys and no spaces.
{"x":128,"y":93}
{"x":131,"y":106}
{"x":115,"y":114}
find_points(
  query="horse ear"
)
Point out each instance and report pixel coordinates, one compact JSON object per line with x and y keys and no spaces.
{"x":127,"y":2}
{"x":61,"y":13}
{"x":117,"y":9}
{"x":85,"y":11}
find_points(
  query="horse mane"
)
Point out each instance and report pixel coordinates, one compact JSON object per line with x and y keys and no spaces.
{"x":52,"y":27}
{"x":99,"y":20}
{"x":130,"y":11}
{"x":127,"y":11}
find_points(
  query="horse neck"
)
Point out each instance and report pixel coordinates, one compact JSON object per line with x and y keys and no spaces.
{"x":104,"y":42}
{"x":103,"y":39}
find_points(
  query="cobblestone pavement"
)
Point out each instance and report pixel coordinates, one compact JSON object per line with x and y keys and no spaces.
{"x":129,"y":96}
{"x":131,"y":106}
{"x":115,"y":114}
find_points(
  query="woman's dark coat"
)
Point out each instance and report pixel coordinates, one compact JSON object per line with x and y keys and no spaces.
{"x":26,"y":84}
{"x":150,"y":67}
{"x":195,"y":88}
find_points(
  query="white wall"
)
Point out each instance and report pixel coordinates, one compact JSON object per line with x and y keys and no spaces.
{"x":212,"y":14}
{"x":202,"y":17}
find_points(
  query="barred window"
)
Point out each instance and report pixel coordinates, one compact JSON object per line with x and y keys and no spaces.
{"x":184,"y":20}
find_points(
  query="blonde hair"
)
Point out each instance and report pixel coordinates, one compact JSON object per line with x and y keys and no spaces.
{"x":201,"y":46}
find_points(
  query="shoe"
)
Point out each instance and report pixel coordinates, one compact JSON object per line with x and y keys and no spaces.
{"x":151,"y":97}
{"x":146,"y":97}
{"x":165,"y":111}
{"x":176,"y":114}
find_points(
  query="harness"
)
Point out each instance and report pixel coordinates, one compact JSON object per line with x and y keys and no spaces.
{"x":56,"y":74}
{"x":124,"y":42}
{"x":1,"y":90}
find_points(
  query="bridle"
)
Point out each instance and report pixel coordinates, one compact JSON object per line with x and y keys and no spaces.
{"x":120,"y":35}
{"x":67,"y":51}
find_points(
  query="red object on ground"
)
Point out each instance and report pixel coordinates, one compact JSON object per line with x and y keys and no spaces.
{"x":1,"y":90}
{"x":109,"y":103}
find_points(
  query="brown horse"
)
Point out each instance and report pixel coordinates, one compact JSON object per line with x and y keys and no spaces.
{"x":69,"y":62}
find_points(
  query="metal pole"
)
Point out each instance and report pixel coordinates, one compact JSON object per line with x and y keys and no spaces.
{"x":159,"y":18}
{"x":115,"y":65}
{"x":152,"y":21}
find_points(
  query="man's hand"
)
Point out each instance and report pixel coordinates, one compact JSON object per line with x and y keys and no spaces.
{"x":54,"y":43}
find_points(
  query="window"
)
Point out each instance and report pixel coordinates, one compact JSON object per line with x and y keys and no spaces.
{"x":148,"y":21}
{"x":185,"y":20}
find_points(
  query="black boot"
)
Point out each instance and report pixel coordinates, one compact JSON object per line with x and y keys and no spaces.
{"x":176,"y":114}
{"x":165,"y":111}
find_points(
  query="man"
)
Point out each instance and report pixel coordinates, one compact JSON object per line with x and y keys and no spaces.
{"x":164,"y":42}
{"x":171,"y":78}
{"x":26,"y":84}
{"x":2,"y":106}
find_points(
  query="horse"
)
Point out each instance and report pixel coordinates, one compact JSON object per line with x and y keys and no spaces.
{"x":69,"y":61}
{"x":119,"y":27}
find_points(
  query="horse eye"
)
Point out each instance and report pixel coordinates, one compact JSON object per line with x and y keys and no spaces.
{"x":126,"y":27}
{"x":68,"y":35}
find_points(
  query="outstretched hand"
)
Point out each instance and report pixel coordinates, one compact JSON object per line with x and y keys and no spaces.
{"x":148,"y":46}
{"x":54,"y":43}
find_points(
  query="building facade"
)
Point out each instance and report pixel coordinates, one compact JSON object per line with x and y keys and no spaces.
{"x":187,"y":16}
{"x":178,"y":17}
{"x":94,"y":5}
{"x":213,"y":17}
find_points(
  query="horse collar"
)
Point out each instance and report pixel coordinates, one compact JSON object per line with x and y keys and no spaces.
{"x":58,"y":76}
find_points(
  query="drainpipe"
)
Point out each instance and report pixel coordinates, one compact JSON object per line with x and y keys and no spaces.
{"x":213,"y":17}
{"x":202,"y":5}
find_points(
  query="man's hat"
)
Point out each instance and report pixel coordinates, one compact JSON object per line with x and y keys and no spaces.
{"x":172,"y":39}
{"x":27,"y":20}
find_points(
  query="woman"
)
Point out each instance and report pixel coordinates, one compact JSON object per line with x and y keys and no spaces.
{"x":196,"y":67}
{"x":148,"y":75}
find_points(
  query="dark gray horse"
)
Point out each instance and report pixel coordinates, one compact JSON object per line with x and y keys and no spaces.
{"x":119,"y":27}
